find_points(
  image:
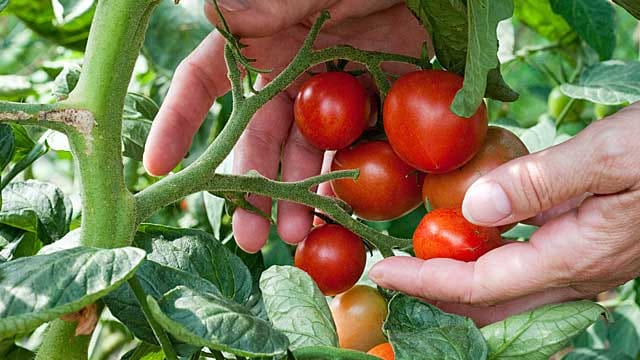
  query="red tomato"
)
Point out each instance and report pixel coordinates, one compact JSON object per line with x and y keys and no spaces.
{"x":332,"y":110}
{"x":333,"y":256}
{"x":448,"y":190}
{"x":384,"y":351}
{"x":422,"y":129}
{"x":359,"y":314}
{"x":445,"y":233}
{"x":387,"y":187}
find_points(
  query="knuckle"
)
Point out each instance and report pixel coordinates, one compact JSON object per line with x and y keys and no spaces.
{"x":535,"y":188}
{"x":193,"y":70}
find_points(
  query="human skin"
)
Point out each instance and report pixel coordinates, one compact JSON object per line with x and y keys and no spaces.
{"x":585,"y":194}
{"x":273,"y":31}
{"x":587,"y":243}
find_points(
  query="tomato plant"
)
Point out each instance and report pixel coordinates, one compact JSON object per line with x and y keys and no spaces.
{"x":383,"y":351}
{"x":359,"y":314}
{"x":448,"y":190}
{"x":386,"y":188}
{"x":101,"y":260}
{"x":557,"y":102}
{"x":333,"y":256}
{"x":445,"y":233}
{"x":331,"y":110}
{"x":423,"y":130}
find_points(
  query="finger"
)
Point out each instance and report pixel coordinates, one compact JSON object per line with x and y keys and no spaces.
{"x":509,"y":272}
{"x":488,"y":315}
{"x":300,"y":160}
{"x":556,"y":211}
{"x":255,"y":18}
{"x":600,"y":160}
{"x":259,"y":149}
{"x":198,"y":81}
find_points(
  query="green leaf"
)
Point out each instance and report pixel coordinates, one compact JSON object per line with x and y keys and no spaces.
{"x":632,"y":6}
{"x":540,"y":333}
{"x":215,"y":322}
{"x":3,"y":4}
{"x":199,"y":253}
{"x":540,"y":136}
{"x":156,"y":280}
{"x":36,"y":207}
{"x":214,"y":207}
{"x":538,"y":15}
{"x":610,"y":83}
{"x":38,"y":289}
{"x":297,"y":307}
{"x":7,"y":146}
{"x":593,"y":20}
{"x":15,"y":87}
{"x":482,"y":58}
{"x":592,"y":354}
{"x":419,"y":330}
{"x":174,"y":31}
{"x":24,"y":160}
{"x":41,"y":17}
{"x":66,"y":81}
{"x":330,"y":352}
{"x":624,"y":331}
{"x":139,"y":112}
{"x":447,"y":23}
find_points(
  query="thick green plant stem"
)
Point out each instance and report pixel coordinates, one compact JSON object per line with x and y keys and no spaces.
{"x":43,"y":115}
{"x":108,"y":219}
{"x":112,"y":49}
{"x":60,"y":342}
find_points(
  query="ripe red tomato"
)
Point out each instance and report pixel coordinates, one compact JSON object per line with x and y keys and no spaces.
{"x":359,"y":314}
{"x":387,"y":187}
{"x":445,"y":233}
{"x":384,"y":351}
{"x":333,"y":256}
{"x":422,"y":129}
{"x":448,"y":190}
{"x":332,"y":110}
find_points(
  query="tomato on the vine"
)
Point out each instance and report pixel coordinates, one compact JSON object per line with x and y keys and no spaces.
{"x":332,"y":110}
{"x":557,"y":101}
{"x":333,"y":256}
{"x":384,"y":351}
{"x":387,"y":187}
{"x":445,"y":233}
{"x":448,"y":190}
{"x":421,"y":127}
{"x":602,"y":111}
{"x":359,"y":314}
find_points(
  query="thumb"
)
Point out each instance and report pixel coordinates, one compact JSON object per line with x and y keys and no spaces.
{"x":599,"y":160}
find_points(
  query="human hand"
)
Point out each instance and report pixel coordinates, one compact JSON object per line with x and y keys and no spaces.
{"x":586,"y":195}
{"x":273,"y":31}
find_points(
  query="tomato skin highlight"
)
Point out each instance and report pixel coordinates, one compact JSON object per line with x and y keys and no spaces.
{"x":445,"y":233}
{"x":387,"y":187}
{"x":332,"y":110}
{"x":448,"y":190}
{"x":421,"y":127}
{"x":333,"y":256}
{"x":384,"y":351}
{"x":359,"y":314}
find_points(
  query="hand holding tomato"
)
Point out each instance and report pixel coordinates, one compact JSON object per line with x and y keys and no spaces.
{"x":274,"y":31}
{"x":585,"y":194}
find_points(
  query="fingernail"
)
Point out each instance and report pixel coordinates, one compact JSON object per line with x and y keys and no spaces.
{"x":486,"y":203}
{"x":376,"y":274}
{"x":233,"y":5}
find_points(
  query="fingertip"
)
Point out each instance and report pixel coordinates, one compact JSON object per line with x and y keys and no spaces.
{"x":294,"y":222}
{"x":251,"y":231}
{"x":387,"y":271}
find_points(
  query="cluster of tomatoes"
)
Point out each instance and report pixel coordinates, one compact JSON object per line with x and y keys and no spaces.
{"x":430,"y":154}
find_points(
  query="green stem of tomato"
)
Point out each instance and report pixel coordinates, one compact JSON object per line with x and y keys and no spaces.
{"x":565,"y":111}
{"x":200,"y":175}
